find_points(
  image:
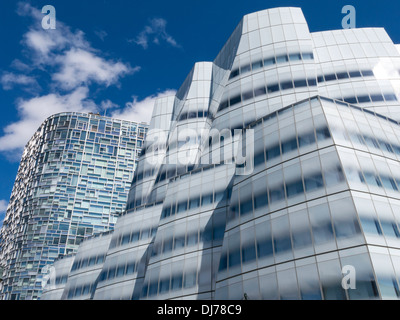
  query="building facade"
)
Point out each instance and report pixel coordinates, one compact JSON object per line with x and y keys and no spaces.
{"x":72,"y":183}
{"x":272,"y":174}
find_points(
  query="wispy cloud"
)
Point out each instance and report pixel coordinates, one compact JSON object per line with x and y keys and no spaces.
{"x":9,"y":80}
{"x":3,"y":206}
{"x":101,"y":34}
{"x":69,"y":56}
{"x":154,"y":32}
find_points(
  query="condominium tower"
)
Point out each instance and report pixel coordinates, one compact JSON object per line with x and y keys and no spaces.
{"x":72,"y":182}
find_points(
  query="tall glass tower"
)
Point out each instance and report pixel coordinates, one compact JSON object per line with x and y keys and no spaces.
{"x":72,"y":182}
{"x":274,"y":173}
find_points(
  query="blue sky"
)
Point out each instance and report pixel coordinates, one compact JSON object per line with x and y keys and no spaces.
{"x":117,"y":56}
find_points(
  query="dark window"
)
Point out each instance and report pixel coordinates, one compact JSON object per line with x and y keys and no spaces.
{"x":264,"y":248}
{"x":206,"y":199}
{"x":308,"y":56}
{"x":389,"y":183}
{"x":247,"y":95}
{"x":273,"y":88}
{"x":260,"y":201}
{"x":111,"y":273}
{"x":282,"y":243}
{"x":390,"y":97}
{"x":182,"y":206}
{"x":120,"y":271}
{"x":192,"y":115}
{"x":320,"y":79}
{"x":234,"y":73}
{"x":135,"y":237}
{"x":286,"y":85}
{"x":257,"y":65}
{"x":259,"y":158}
{"x":248,"y":253}
{"x":273,"y":152}
{"x":355,"y":74}
{"x":176,"y":282}
{"x":167,"y":245}
{"x":194,"y":203}
{"x":294,"y":56}
{"x":234,"y":258}
{"x":192,"y":239}
{"x":300,"y":83}
{"x":371,"y":226}
{"x":245,"y":68}
{"x":290,"y":145}
{"x":330,"y":77}
{"x":259,"y":91}
{"x":322,"y":134}
{"x":282,"y":59}
{"x":376,"y":97}
{"x":130,"y":268}
{"x":306,"y":139}
{"x":313,"y":182}
{"x":246,"y":207}
{"x":100,"y":259}
{"x":179,"y":242}
{"x":276,"y":194}
{"x":367,"y":73}
{"x":294,"y":188}
{"x":312,"y":82}
{"x":234,"y":100}
{"x":223,"y":262}
{"x":350,"y":100}
{"x":270,"y":61}
{"x":190,"y":280}
{"x":125,"y":239}
{"x":363,"y":99}
{"x":342,"y":75}
{"x":153,"y":289}
{"x":164,"y":285}
{"x":223,"y":105}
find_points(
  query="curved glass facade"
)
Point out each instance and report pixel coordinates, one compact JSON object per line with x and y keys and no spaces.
{"x":271,"y":172}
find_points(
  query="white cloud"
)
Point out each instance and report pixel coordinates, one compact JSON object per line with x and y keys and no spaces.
{"x":67,"y":55}
{"x":70,"y":62}
{"x":9,"y":80}
{"x":3,"y":206}
{"x":140,"y":111}
{"x":34,"y":111}
{"x":154,"y":32}
{"x":73,"y":65}
{"x":83,"y":67}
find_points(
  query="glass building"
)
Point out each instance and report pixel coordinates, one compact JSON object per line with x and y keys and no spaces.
{"x":273,"y":173}
{"x":72,"y":183}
